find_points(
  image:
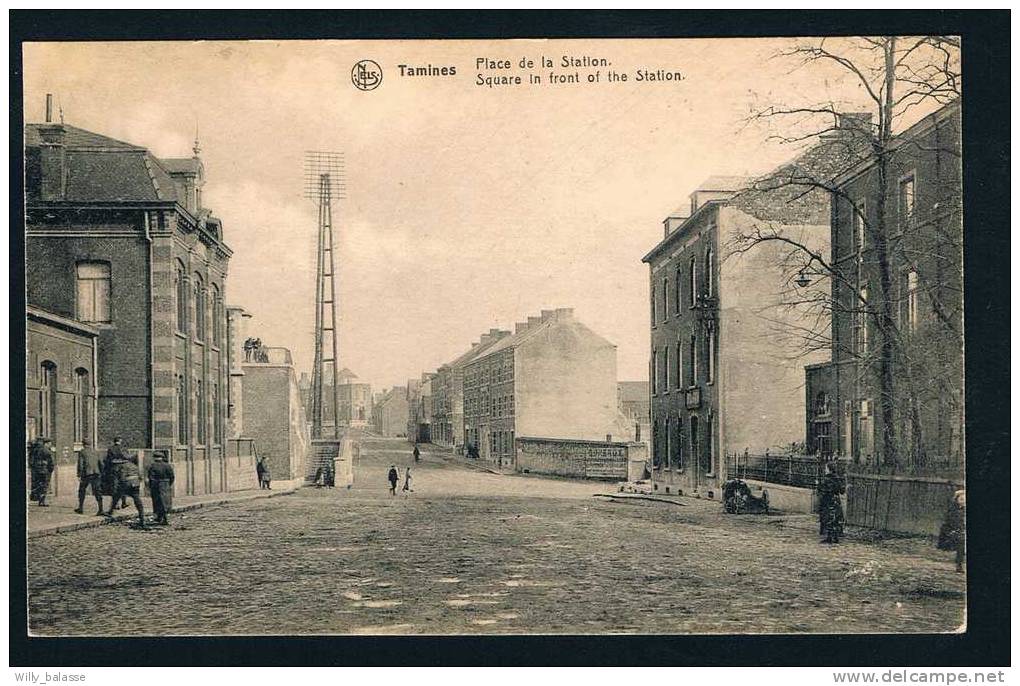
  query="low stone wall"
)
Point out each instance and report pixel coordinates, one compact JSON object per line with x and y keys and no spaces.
{"x":603,"y":460}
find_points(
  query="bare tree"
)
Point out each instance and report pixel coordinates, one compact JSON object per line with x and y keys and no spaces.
{"x":896,"y":78}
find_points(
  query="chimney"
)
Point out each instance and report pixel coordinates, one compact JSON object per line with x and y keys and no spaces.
{"x":534,"y":321}
{"x":520,"y":326}
{"x":52,"y":156}
{"x":547,"y":315}
{"x":847,"y":122}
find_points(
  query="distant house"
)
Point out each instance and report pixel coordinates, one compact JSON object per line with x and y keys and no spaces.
{"x":389,"y":416}
{"x":553,"y":378}
{"x":634,"y":404}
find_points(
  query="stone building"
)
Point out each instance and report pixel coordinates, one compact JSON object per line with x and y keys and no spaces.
{"x":274,"y":415}
{"x":922,"y":258}
{"x":130,"y":250}
{"x":553,"y":378}
{"x":354,"y":399}
{"x":722,"y":372}
{"x":448,"y":393}
{"x":390,"y":413}
{"x":60,"y":388}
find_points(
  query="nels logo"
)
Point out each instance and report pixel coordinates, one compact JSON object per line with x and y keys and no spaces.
{"x":366,"y":75}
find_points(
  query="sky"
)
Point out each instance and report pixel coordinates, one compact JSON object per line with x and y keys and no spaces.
{"x":467,"y":207}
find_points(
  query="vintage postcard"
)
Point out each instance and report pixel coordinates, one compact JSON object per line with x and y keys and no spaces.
{"x":473,"y":337}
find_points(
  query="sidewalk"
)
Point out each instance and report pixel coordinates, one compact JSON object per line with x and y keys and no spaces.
{"x":60,"y":515}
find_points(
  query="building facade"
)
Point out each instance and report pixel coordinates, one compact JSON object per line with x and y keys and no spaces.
{"x":448,"y":393}
{"x":60,"y":389}
{"x":634,"y":403}
{"x":553,"y":378}
{"x":390,"y":413}
{"x":908,"y":263}
{"x":722,"y":375}
{"x":129,"y":249}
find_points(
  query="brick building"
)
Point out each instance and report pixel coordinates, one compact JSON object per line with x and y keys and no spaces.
{"x":60,"y":388}
{"x":723,"y":375}
{"x":553,"y":378}
{"x":448,"y":392}
{"x":923,"y":229}
{"x":389,"y":416}
{"x":120,"y":240}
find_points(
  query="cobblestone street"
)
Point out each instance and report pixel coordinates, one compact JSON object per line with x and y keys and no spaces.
{"x":473,"y":552}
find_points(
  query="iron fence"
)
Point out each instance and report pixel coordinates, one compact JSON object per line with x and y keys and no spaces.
{"x":802,"y":471}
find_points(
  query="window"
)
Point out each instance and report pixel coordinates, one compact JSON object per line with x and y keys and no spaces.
{"x":679,"y":443}
{"x":653,"y":304}
{"x":862,"y":323}
{"x":710,"y":356}
{"x":217,"y":313}
{"x":665,"y":367}
{"x":709,"y":450}
{"x":693,"y":282}
{"x":906,"y":201}
{"x":912,"y":300}
{"x":665,"y":299}
{"x":669,"y":443}
{"x":218,"y":415}
{"x":82,"y":405}
{"x":182,"y":299}
{"x":93,"y":292}
{"x":656,"y":450}
{"x":47,"y":399}
{"x":182,"y":411}
{"x":848,"y":429}
{"x":709,"y":280}
{"x":200,"y":416}
{"x":655,"y":372}
{"x":677,"y":291}
{"x":200,"y":308}
{"x":866,"y":435}
{"x":692,"y":361}
{"x":859,"y":227}
{"x":679,"y":366}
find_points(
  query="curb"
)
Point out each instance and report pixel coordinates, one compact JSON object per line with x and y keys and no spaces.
{"x":638,"y":496}
{"x":97,"y":521}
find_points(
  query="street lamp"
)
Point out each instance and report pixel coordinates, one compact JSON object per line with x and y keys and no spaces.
{"x":802,"y":279}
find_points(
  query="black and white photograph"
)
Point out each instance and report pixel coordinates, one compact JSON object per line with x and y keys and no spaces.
{"x":494,"y":337}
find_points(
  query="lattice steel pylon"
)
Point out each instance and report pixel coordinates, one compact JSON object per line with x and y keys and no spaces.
{"x":324,"y":182}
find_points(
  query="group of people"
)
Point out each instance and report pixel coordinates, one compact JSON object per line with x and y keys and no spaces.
{"x":394,"y":476}
{"x":325,"y":475}
{"x":116,"y":475}
{"x":253,"y":351}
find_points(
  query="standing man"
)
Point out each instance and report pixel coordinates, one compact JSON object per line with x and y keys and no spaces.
{"x":393,"y":477}
{"x":126,"y":479}
{"x":90,"y":468}
{"x":160,"y":475}
{"x":260,"y":470}
{"x":830,"y":507}
{"x":41,"y":462}
{"x":114,"y":455}
{"x":417,"y":453}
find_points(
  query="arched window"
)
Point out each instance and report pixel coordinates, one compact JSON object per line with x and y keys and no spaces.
{"x":182,"y":299}
{"x":217,"y":314}
{"x":693,"y":282}
{"x":182,"y":410}
{"x":217,"y":414}
{"x":656,"y":441}
{"x":93,"y":292}
{"x":200,"y":308}
{"x":695,"y":451}
{"x":709,"y":446}
{"x":665,"y":299}
{"x":82,"y":405}
{"x":653,"y":303}
{"x":709,"y":280}
{"x":47,"y":399}
{"x":668,"y":442}
{"x":200,"y":417}
{"x":679,"y":443}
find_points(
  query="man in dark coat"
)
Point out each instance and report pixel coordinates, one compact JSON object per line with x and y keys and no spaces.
{"x":90,"y":468}
{"x":41,"y":463}
{"x":329,"y":474}
{"x":260,"y":470}
{"x":393,"y":478}
{"x":830,"y":507}
{"x":160,"y":475}
{"x":114,"y":454}
{"x":267,"y":475}
{"x":416,"y":453}
{"x":126,"y":479}
{"x":953,"y":534}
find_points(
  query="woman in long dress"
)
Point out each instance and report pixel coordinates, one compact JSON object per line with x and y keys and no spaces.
{"x":407,"y":481}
